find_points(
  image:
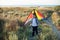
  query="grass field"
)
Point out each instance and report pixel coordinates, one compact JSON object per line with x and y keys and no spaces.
{"x":12,"y":23}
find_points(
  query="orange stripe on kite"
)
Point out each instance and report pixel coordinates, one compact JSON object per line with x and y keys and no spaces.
{"x":29,"y":16}
{"x":40,"y":14}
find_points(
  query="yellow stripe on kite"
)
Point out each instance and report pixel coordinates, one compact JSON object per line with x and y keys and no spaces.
{"x":39,"y":17}
{"x":32,"y":11}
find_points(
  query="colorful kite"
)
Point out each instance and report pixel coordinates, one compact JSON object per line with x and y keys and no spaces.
{"x":39,"y":15}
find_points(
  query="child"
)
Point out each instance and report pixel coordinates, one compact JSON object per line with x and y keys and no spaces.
{"x":34,"y":25}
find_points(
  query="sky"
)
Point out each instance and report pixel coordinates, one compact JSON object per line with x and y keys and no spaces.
{"x":29,"y":2}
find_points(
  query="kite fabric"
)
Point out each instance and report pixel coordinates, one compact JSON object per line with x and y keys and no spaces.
{"x":39,"y":15}
{"x":29,"y":18}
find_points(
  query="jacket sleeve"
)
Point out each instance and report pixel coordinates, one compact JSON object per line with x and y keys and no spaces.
{"x":38,"y":22}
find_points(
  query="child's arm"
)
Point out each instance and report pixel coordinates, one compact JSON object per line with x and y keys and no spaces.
{"x":38,"y":22}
